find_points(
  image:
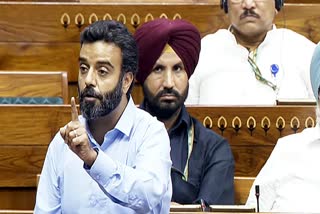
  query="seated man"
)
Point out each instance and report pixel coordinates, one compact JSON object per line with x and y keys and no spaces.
{"x":290,"y":179}
{"x":252,"y":62}
{"x":203,"y":164}
{"x":114,"y":158}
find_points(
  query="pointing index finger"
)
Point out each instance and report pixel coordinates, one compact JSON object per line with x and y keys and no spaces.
{"x":74,"y":111}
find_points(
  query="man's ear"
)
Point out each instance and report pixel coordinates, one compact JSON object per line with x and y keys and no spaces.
{"x":127,"y":81}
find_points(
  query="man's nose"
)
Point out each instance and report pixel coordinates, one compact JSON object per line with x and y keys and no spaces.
{"x":90,"y":79}
{"x":168,"y":79}
{"x":248,"y":4}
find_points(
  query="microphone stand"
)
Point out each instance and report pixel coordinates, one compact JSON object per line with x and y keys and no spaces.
{"x":257,"y":193}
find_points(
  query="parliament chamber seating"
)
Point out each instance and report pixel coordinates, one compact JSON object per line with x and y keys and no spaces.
{"x":26,"y":131}
{"x":44,"y":36}
{"x":33,"y":87}
{"x":31,"y":39}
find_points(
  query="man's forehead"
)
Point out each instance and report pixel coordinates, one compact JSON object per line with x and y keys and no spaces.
{"x":99,"y":47}
{"x":169,"y":58}
{"x":99,"y":51}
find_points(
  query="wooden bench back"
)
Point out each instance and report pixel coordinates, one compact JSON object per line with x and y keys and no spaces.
{"x":32,"y":40}
{"x":242,"y":186}
{"x":26,"y":131}
{"x":16,"y":211}
{"x":252,"y":132}
{"x":34,"y":84}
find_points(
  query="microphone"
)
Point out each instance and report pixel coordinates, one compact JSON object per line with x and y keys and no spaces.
{"x":204,"y":206}
{"x":257,"y":193}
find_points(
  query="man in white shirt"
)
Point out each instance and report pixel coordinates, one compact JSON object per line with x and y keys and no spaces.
{"x":252,"y":62}
{"x":290,"y":179}
{"x":114,"y":158}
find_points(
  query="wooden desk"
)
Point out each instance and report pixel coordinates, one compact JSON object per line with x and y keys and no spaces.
{"x":16,"y":211}
{"x":212,"y":208}
{"x":26,"y":131}
{"x":253,"y":131}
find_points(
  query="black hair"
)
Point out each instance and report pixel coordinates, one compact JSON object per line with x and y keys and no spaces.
{"x":117,"y":33}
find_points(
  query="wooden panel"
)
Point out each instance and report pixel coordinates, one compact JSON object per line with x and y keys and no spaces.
{"x":34,"y":84}
{"x":16,"y":211}
{"x":35,"y":56}
{"x":47,"y":45}
{"x":19,"y":165}
{"x":27,"y":130}
{"x":252,"y":148}
{"x":242,"y":186}
{"x":43,"y":1}
{"x":17,"y":198}
{"x":261,"y":116}
{"x":249,"y":159}
{"x":31,"y":125}
{"x":29,"y":22}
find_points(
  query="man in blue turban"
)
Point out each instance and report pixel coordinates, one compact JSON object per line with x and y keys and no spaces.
{"x":290,"y":179}
{"x":203,"y":165}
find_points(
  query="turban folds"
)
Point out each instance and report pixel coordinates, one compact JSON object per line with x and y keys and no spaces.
{"x":152,"y":37}
{"x":315,"y":71}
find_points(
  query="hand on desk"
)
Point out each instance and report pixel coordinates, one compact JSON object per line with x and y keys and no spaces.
{"x":75,"y":135}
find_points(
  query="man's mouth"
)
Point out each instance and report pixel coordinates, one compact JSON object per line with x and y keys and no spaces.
{"x":90,"y":98}
{"x":168,"y":97}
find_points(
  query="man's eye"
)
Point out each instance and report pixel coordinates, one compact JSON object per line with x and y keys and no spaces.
{"x":83,"y":68}
{"x":103,"y":72}
{"x":157,"y":69}
{"x":177,"y":68}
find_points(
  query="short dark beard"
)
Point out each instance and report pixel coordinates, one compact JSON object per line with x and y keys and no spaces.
{"x":164,"y":110}
{"x":108,"y":102}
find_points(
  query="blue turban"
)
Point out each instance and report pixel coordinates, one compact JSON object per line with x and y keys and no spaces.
{"x":315,"y":71}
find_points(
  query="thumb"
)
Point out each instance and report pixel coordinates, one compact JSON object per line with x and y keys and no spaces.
{"x":63,"y":132}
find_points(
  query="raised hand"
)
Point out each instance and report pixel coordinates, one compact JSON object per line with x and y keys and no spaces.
{"x":76,"y":137}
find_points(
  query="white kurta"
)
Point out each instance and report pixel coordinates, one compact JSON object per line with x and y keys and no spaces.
{"x":290,"y":179}
{"x":223,"y":75}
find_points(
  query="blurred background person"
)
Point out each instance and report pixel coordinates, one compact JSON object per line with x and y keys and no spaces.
{"x":252,"y":62}
{"x":290,"y":179}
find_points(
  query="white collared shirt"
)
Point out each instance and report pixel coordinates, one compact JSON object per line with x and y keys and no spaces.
{"x":224,"y":76}
{"x":290,"y":179}
{"x":130,"y":175}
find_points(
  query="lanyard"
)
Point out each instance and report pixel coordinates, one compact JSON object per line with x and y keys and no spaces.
{"x":257,"y":72}
{"x":190,"y":146}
